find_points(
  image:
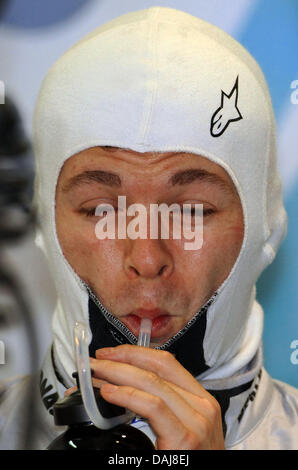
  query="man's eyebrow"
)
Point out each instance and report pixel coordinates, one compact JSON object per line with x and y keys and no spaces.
{"x":180,"y":178}
{"x":194,"y":174}
{"x":93,"y":176}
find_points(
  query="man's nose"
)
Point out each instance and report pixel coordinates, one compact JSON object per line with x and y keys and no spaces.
{"x":148,"y":258}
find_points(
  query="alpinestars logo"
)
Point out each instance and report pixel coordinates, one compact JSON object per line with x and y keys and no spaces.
{"x":227,"y":112}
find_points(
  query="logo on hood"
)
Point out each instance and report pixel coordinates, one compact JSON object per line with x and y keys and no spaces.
{"x":227,"y":112}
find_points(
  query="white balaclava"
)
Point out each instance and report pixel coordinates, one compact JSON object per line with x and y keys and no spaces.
{"x":161,"y":80}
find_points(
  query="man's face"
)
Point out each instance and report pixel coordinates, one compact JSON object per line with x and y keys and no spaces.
{"x":155,"y":278}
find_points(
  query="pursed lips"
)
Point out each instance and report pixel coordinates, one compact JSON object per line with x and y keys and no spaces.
{"x":161,"y":321}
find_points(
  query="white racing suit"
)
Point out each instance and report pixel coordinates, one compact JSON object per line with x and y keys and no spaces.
{"x":262,"y":417}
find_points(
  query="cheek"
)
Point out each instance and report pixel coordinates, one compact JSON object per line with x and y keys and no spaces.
{"x":231,"y":241}
{"x":85,"y":253}
{"x":212,"y":263}
{"x":93,"y":264}
{"x":222,"y":248}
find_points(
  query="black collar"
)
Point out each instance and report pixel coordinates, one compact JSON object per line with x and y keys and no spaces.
{"x":186,"y":346}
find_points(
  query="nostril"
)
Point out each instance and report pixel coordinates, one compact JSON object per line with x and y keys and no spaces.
{"x":161,"y":270}
{"x":134,"y":270}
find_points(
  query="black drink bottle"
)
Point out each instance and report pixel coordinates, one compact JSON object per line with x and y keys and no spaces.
{"x":82,"y":434}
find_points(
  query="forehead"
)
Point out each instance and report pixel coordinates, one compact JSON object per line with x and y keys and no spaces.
{"x":115,"y":158}
{"x":117,"y":168}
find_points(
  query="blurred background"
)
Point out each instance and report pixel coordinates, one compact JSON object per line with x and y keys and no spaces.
{"x":33,"y":34}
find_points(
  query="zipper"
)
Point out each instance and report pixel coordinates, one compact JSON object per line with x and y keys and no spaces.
{"x":112,"y":319}
{"x":188,"y":324}
{"x":130,"y":336}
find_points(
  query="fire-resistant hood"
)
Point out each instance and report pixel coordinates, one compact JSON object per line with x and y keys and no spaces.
{"x":162,"y":80}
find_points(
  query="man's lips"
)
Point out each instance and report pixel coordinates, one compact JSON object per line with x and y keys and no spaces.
{"x":161,"y":321}
{"x":149,"y":313}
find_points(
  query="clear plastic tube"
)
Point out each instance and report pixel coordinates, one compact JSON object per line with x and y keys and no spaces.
{"x":86,"y":387}
{"x":145,"y":332}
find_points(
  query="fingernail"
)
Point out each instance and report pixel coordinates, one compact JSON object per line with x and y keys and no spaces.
{"x":110,"y":388}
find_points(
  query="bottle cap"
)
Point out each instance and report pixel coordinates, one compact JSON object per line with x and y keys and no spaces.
{"x":70,"y":410}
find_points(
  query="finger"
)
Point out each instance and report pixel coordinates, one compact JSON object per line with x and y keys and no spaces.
{"x":69,"y":391}
{"x":169,"y":430}
{"x":207,"y":407}
{"x":161,"y":362}
{"x":147,"y":381}
{"x":96,"y":383}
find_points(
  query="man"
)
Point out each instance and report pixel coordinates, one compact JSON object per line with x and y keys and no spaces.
{"x":163,"y":108}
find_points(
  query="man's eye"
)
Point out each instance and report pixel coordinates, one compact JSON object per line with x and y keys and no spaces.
{"x":192,"y":212}
{"x":91,"y":211}
{"x":208,"y":212}
{"x":88,"y":212}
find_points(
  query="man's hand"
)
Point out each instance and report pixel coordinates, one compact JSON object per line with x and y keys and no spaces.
{"x":154,"y":385}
